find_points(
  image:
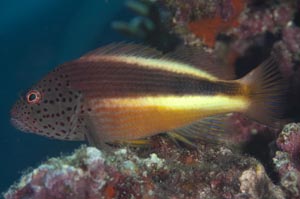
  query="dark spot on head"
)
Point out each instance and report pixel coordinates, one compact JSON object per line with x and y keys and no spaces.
{"x":69,"y":108}
{"x":51,"y":102}
{"x":38,"y":111}
{"x":70,"y":99}
{"x":45,"y":101}
{"x":62,"y":124}
{"x":45,"y":109}
{"x":63,"y":99}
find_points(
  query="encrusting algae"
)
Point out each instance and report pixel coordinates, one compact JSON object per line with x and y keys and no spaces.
{"x":127,"y":92}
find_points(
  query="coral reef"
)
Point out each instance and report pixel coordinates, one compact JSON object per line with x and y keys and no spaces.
{"x":245,"y":128}
{"x":287,"y":161}
{"x":225,"y":17}
{"x":165,"y":172}
{"x":204,"y":19}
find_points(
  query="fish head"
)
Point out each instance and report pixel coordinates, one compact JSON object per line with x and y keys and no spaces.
{"x":50,"y":108}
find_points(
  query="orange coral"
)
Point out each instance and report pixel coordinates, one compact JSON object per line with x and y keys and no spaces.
{"x":208,"y":28}
{"x":110,"y":191}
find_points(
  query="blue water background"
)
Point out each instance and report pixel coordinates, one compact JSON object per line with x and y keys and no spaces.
{"x":36,"y":36}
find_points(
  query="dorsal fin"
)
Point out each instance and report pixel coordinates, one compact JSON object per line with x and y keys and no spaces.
{"x":129,"y":49}
{"x":203,"y":60}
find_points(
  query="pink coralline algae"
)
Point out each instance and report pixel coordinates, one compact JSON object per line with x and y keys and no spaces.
{"x":85,"y":175}
{"x":244,"y":128}
{"x":289,"y":141}
{"x":289,"y":47}
{"x":258,"y":21}
{"x":287,"y":159}
{"x":164,"y":172}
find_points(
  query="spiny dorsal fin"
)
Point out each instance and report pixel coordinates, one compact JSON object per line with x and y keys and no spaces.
{"x":203,"y":60}
{"x":126,"y":49}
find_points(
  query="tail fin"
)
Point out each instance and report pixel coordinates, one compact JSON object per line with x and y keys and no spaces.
{"x":267,"y":92}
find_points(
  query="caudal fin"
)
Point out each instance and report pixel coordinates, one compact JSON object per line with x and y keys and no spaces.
{"x":267,"y":91}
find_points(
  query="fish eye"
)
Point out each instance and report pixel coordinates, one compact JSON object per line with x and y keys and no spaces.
{"x":33,"y":97}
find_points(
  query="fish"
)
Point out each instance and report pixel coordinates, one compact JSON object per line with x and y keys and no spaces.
{"x":129,"y":92}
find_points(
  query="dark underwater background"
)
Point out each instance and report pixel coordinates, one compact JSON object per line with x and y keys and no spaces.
{"x":36,"y":36}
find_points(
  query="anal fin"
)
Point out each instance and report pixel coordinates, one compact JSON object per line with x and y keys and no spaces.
{"x":213,"y":129}
{"x":177,"y":137}
{"x":134,"y":143}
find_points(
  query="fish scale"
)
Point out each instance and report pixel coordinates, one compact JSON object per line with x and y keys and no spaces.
{"x":127,"y":92}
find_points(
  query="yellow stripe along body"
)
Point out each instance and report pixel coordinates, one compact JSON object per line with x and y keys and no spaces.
{"x":137,"y":117}
{"x":133,"y":97}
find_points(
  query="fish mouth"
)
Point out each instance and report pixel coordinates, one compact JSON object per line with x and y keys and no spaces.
{"x":19,"y":125}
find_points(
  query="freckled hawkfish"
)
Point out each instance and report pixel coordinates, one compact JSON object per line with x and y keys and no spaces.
{"x":126,"y":92}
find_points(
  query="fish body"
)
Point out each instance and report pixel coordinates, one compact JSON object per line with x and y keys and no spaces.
{"x":128,"y":92}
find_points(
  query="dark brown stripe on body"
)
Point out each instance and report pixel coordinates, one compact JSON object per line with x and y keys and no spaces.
{"x":117,"y":79}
